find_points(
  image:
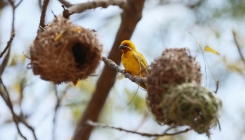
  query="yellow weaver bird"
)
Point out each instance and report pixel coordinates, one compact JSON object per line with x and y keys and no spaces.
{"x":133,"y":61}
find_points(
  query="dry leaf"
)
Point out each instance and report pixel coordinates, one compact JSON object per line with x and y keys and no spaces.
{"x":209,"y":49}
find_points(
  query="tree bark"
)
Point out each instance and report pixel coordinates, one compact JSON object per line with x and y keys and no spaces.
{"x":131,"y":15}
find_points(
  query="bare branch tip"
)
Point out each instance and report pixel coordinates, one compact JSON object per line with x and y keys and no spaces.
{"x":43,"y":14}
{"x":66,"y":13}
{"x":54,"y":14}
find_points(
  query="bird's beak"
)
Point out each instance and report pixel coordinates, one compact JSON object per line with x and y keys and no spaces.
{"x":122,"y":47}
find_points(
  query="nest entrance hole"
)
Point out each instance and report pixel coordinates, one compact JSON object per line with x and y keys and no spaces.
{"x":80,"y":52}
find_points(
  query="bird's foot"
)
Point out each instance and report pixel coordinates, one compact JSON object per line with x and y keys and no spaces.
{"x":133,"y":77}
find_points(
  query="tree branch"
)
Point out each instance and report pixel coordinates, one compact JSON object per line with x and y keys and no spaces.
{"x":43,"y":14}
{"x":79,"y":8}
{"x":66,"y":3}
{"x":17,"y":119}
{"x":8,"y":45}
{"x":6,"y":58}
{"x":18,"y":3}
{"x":3,"y":90}
{"x":89,"y":122}
{"x":131,"y":15}
{"x":114,"y":66}
{"x":8,"y":102}
{"x":7,"y":48}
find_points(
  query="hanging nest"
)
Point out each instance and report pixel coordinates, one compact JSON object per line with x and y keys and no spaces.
{"x":65,"y":52}
{"x":192,"y":105}
{"x":174,"y":67}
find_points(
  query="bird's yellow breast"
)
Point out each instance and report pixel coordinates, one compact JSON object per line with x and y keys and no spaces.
{"x":131,"y":63}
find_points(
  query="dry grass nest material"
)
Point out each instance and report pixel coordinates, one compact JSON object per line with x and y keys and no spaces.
{"x":65,"y":52}
{"x":174,"y":67}
{"x":192,"y":105}
{"x":174,"y":92}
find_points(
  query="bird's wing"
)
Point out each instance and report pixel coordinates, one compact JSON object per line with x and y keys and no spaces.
{"x":143,"y":64}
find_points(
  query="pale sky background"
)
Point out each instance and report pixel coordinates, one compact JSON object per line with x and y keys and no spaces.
{"x":161,"y":27}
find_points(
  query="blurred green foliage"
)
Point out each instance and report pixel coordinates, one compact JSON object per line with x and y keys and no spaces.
{"x":233,"y":9}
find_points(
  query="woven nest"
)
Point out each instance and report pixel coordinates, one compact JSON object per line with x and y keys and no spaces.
{"x":192,"y":105}
{"x":65,"y":52}
{"x":174,"y":67}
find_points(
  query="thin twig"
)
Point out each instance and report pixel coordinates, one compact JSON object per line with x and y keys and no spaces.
{"x":7,"y":48}
{"x":238,"y":46}
{"x":55,"y":110}
{"x":146,"y":114}
{"x":79,"y":8}
{"x":9,"y":104}
{"x":18,"y":129}
{"x":171,"y":127}
{"x":43,"y":14}
{"x":204,"y":58}
{"x":18,"y":3}
{"x":59,"y":99}
{"x":13,"y":12}
{"x":8,"y":45}
{"x":22,"y":86}
{"x":217,"y":87}
{"x":113,"y":65}
{"x":4,"y":62}
{"x":28,"y":126}
{"x":11,"y":3}
{"x":89,"y":122}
